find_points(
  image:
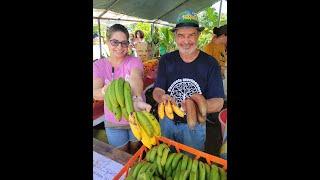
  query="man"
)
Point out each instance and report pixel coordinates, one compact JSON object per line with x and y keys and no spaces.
{"x":184,"y":72}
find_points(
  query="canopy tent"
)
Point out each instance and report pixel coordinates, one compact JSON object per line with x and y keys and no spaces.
{"x":154,"y":10}
{"x":163,"y":12}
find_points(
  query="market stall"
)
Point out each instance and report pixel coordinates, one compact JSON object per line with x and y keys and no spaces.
{"x":154,"y":12}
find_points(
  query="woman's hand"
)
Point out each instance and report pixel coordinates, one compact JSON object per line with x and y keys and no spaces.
{"x":139,"y":105}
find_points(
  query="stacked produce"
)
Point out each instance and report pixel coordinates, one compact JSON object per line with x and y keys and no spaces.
{"x":160,"y":163}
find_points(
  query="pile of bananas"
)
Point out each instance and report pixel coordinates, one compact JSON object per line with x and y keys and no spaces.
{"x":145,"y":127}
{"x":159,"y":163}
{"x":194,"y":107}
{"x":118,"y":98}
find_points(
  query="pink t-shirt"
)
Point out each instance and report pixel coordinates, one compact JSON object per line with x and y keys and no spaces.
{"x":102,"y":69}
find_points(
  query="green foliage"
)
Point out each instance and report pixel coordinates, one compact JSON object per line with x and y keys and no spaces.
{"x":163,"y":37}
{"x":103,"y":30}
{"x":208,"y":18}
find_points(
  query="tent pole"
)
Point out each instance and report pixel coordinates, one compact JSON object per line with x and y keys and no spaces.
{"x":100,"y":38}
{"x":219,"y":13}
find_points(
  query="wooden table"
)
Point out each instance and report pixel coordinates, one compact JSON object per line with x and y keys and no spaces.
{"x":111,"y":152}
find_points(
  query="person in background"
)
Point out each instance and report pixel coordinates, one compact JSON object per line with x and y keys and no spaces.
{"x":218,"y":47}
{"x":139,"y":37}
{"x":132,"y":49}
{"x":96,"y":47}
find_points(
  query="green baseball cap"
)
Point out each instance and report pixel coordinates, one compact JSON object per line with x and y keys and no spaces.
{"x":187,"y":18}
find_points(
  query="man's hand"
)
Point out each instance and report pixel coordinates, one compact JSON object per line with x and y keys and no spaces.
{"x":166,"y":97}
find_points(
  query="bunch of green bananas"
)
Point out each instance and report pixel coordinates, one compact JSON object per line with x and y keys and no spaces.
{"x":118,"y":98}
{"x":159,"y":163}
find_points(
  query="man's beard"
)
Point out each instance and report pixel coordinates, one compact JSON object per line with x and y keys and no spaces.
{"x":188,"y":51}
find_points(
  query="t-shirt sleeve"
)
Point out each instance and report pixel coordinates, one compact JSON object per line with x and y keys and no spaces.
{"x":97,"y":70}
{"x":215,"y":85}
{"x":161,"y":81}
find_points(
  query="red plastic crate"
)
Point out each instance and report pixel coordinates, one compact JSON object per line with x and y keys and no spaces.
{"x":137,"y":157}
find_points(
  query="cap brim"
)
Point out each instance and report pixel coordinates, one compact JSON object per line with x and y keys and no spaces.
{"x":198,"y":28}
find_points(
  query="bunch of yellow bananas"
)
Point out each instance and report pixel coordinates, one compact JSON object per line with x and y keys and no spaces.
{"x":145,"y":127}
{"x":167,"y":108}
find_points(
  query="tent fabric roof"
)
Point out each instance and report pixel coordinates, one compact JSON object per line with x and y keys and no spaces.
{"x":165,"y":10}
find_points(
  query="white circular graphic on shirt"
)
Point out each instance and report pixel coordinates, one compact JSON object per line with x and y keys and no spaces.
{"x":183,"y":88}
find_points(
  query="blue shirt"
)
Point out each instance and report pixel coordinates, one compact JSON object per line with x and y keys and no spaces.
{"x":180,"y":79}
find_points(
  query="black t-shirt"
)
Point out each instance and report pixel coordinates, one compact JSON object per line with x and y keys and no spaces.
{"x":180,"y":80}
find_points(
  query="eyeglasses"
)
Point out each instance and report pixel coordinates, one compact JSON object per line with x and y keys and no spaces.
{"x":116,"y":43}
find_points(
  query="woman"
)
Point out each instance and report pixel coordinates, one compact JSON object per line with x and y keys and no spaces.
{"x":119,"y":64}
{"x":218,"y":47}
{"x":139,"y":35}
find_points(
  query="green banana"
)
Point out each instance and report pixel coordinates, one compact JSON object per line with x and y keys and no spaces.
{"x":119,"y":91}
{"x":195,"y":165}
{"x":159,"y":168}
{"x":223,"y":175}
{"x":177,"y":171}
{"x":154,"y":122}
{"x":207,"y":167}
{"x":184,"y":162}
{"x":168,"y":172}
{"x":158,"y":160}
{"x":129,"y":177}
{"x":124,"y":113}
{"x":143,"y":176}
{"x":179,"y":166}
{"x":132,"y":169}
{"x":169,"y":178}
{"x":112,"y":94}
{"x":147,"y":158}
{"x":144,"y":122}
{"x":189,"y":164}
{"x":184,"y":174}
{"x":144,"y":167}
{"x":176,"y":160}
{"x":153,"y":153}
{"x":214,"y":173}
{"x":137,"y":169}
{"x":177,"y":174}
{"x":128,"y":97}
{"x":202,"y":171}
{"x":157,"y":178}
{"x":156,"y":173}
{"x":152,"y":168}
{"x":107,"y":99}
{"x":161,"y":148}
{"x":193,"y":175}
{"x":117,"y":112}
{"x":164,"y":156}
{"x":169,"y":161}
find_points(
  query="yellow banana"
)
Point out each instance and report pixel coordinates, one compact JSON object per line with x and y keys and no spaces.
{"x":134,"y":126}
{"x":177,"y":110}
{"x":145,"y":139}
{"x":154,"y":122}
{"x":161,"y":110}
{"x":168,"y":110}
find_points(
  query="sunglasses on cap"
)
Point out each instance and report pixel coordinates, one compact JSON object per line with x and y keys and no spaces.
{"x":115,"y":43}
